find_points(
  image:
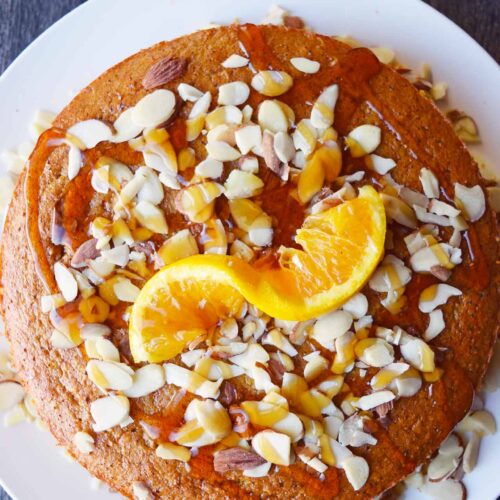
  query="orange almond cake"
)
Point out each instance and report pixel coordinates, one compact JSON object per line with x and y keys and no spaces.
{"x":251,"y":262}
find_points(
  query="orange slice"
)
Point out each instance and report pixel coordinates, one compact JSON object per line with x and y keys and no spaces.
{"x":340,"y":249}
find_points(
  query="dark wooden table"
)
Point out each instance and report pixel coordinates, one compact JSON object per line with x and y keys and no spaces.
{"x":21,"y":21}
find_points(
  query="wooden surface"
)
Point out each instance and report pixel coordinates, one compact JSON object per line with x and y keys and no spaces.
{"x":21,"y":21}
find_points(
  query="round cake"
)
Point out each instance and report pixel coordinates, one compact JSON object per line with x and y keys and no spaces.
{"x":325,"y":211}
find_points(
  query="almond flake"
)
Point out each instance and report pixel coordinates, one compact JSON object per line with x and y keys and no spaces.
{"x":188,"y":92}
{"x":436,"y":325}
{"x":236,"y":459}
{"x":363,"y":140}
{"x":248,"y":137}
{"x":418,"y":354}
{"x":448,"y":488}
{"x":125,"y":290}
{"x":154,"y":108}
{"x":322,"y":113}
{"x":305,"y":65}
{"x":272,"y":116}
{"x":471,"y":453}
{"x":146,"y":380}
{"x":209,"y":168}
{"x":435,"y":296}
{"x":75,"y":161}
{"x":109,"y":375}
{"x":141,"y":491}
{"x":441,"y":208}
{"x":480,"y":422}
{"x":384,"y":54}
{"x":430,"y":183}
{"x":356,"y":470}
{"x":471,"y":201}
{"x":260,"y":471}
{"x":234,"y":93}
{"x":305,"y":137}
{"x":241,"y":184}
{"x":284,"y":147}
{"x":272,"y":83}
{"x":357,"y":306}
{"x":249,"y":164}
{"x":109,"y":411}
{"x":125,"y":127}
{"x":66,"y":282}
{"x":170,"y":451}
{"x":11,"y":394}
{"x":235,"y":61}
{"x":379,"y":164}
{"x":151,"y":217}
{"x":330,"y":327}
{"x":164,"y":71}
{"x":446,"y":461}
{"x":373,"y":400}
{"x":84,"y":442}
{"x":221,"y":151}
{"x":191,"y":381}
{"x":90,"y":132}
{"x":272,"y":446}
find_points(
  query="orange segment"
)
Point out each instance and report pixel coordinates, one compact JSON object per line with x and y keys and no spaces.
{"x":340,"y":249}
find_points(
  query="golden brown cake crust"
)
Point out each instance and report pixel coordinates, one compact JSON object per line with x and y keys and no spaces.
{"x":56,"y":378}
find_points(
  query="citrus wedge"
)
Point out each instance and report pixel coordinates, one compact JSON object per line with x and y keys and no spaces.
{"x":340,"y":249}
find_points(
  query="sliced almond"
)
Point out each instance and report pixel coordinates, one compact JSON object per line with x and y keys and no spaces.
{"x":330,"y":327}
{"x":11,"y":394}
{"x":249,"y":164}
{"x":272,"y":83}
{"x":189,"y":93}
{"x":284,"y":147}
{"x":209,"y":168}
{"x":146,"y":380}
{"x":141,"y":491}
{"x":363,"y":140}
{"x":90,"y":133}
{"x":191,"y":381}
{"x":84,"y":442}
{"x":248,"y":137}
{"x":152,"y":190}
{"x":66,"y":282}
{"x":430,"y":183}
{"x":125,"y":127}
{"x":481,"y":422}
{"x":260,"y":471}
{"x":274,"y":447}
{"x":446,"y":461}
{"x":436,"y":325}
{"x":305,"y":65}
{"x":471,"y":201}
{"x":151,"y":217}
{"x":125,"y":290}
{"x":357,"y":471}
{"x":351,"y":433}
{"x":435,"y":296}
{"x":170,"y":451}
{"x":357,"y":306}
{"x":419,"y":355}
{"x":465,"y":126}
{"x":222,"y":151}
{"x":379,"y":164}
{"x":441,"y":208}
{"x":449,"y":489}
{"x":322,"y":113}
{"x":397,"y":210}
{"x":235,"y":61}
{"x":374,"y":352}
{"x":305,"y":137}
{"x":236,"y":459}
{"x":154,"y":108}
{"x":384,"y":54}
{"x":75,"y":161}
{"x":108,"y":375}
{"x":373,"y":400}
{"x":109,"y":412}
{"x":234,"y":93}
{"x":471,"y":453}
{"x":241,"y":184}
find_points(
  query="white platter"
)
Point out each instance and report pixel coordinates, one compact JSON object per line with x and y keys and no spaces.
{"x":84,"y":43}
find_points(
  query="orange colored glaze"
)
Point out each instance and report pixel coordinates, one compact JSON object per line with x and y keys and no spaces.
{"x":478,"y":277}
{"x":177,"y":131}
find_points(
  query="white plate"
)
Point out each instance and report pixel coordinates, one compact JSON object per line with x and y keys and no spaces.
{"x":102,"y":32}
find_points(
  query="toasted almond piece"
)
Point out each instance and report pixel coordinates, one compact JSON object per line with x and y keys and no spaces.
{"x":125,"y":127}
{"x":391,"y":274}
{"x":125,"y":290}
{"x":146,"y":380}
{"x":224,"y":132}
{"x":118,"y":255}
{"x":447,"y":459}
{"x":191,"y":381}
{"x":200,"y":107}
{"x":62,"y":340}
{"x":248,"y":137}
{"x":234,"y":93}
{"x":436,"y":325}
{"x":322,"y":113}
{"x":374,"y":352}
{"x":170,"y":451}
{"x":152,"y":190}
{"x":94,"y":331}
{"x":481,"y":422}
{"x":141,"y":491}
{"x":249,"y":164}
{"x":224,"y":114}
{"x":272,"y":83}
{"x":164,"y":71}
{"x":435,"y":296}
{"x":109,"y":375}
{"x":151,"y":217}
{"x":357,"y":306}
{"x":100,"y":179}
{"x":419,"y":355}
{"x":66,"y":282}
{"x":154,"y":108}
{"x":260,"y":471}
{"x":430,"y":183}
{"x":379,"y":164}
{"x":109,"y":411}
{"x":222,"y":151}
{"x":305,"y":137}
{"x":235,"y":61}
{"x":214,"y":418}
{"x":471,"y":453}
{"x":241,"y":250}
{"x":11,"y":394}
{"x":373,"y":400}
{"x":439,"y":90}
{"x":75,"y":161}
{"x":271,"y":116}
{"x":412,"y":197}
{"x":441,"y":208}
{"x":90,"y":133}
{"x":363,"y":140}
{"x":254,"y":353}
{"x":272,"y":446}
{"x":397,"y":210}
{"x":471,"y":201}
{"x":356,"y":470}
{"x":84,"y":442}
{"x":241,"y":184}
{"x":189,"y":93}
{"x":351,"y":432}
{"x":384,"y":54}
{"x":387,"y":374}
{"x":305,"y":65}
{"x":209,"y":168}
{"x":330,"y":327}
{"x":465,"y":127}
{"x":284,"y":147}
{"x":448,"y":488}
